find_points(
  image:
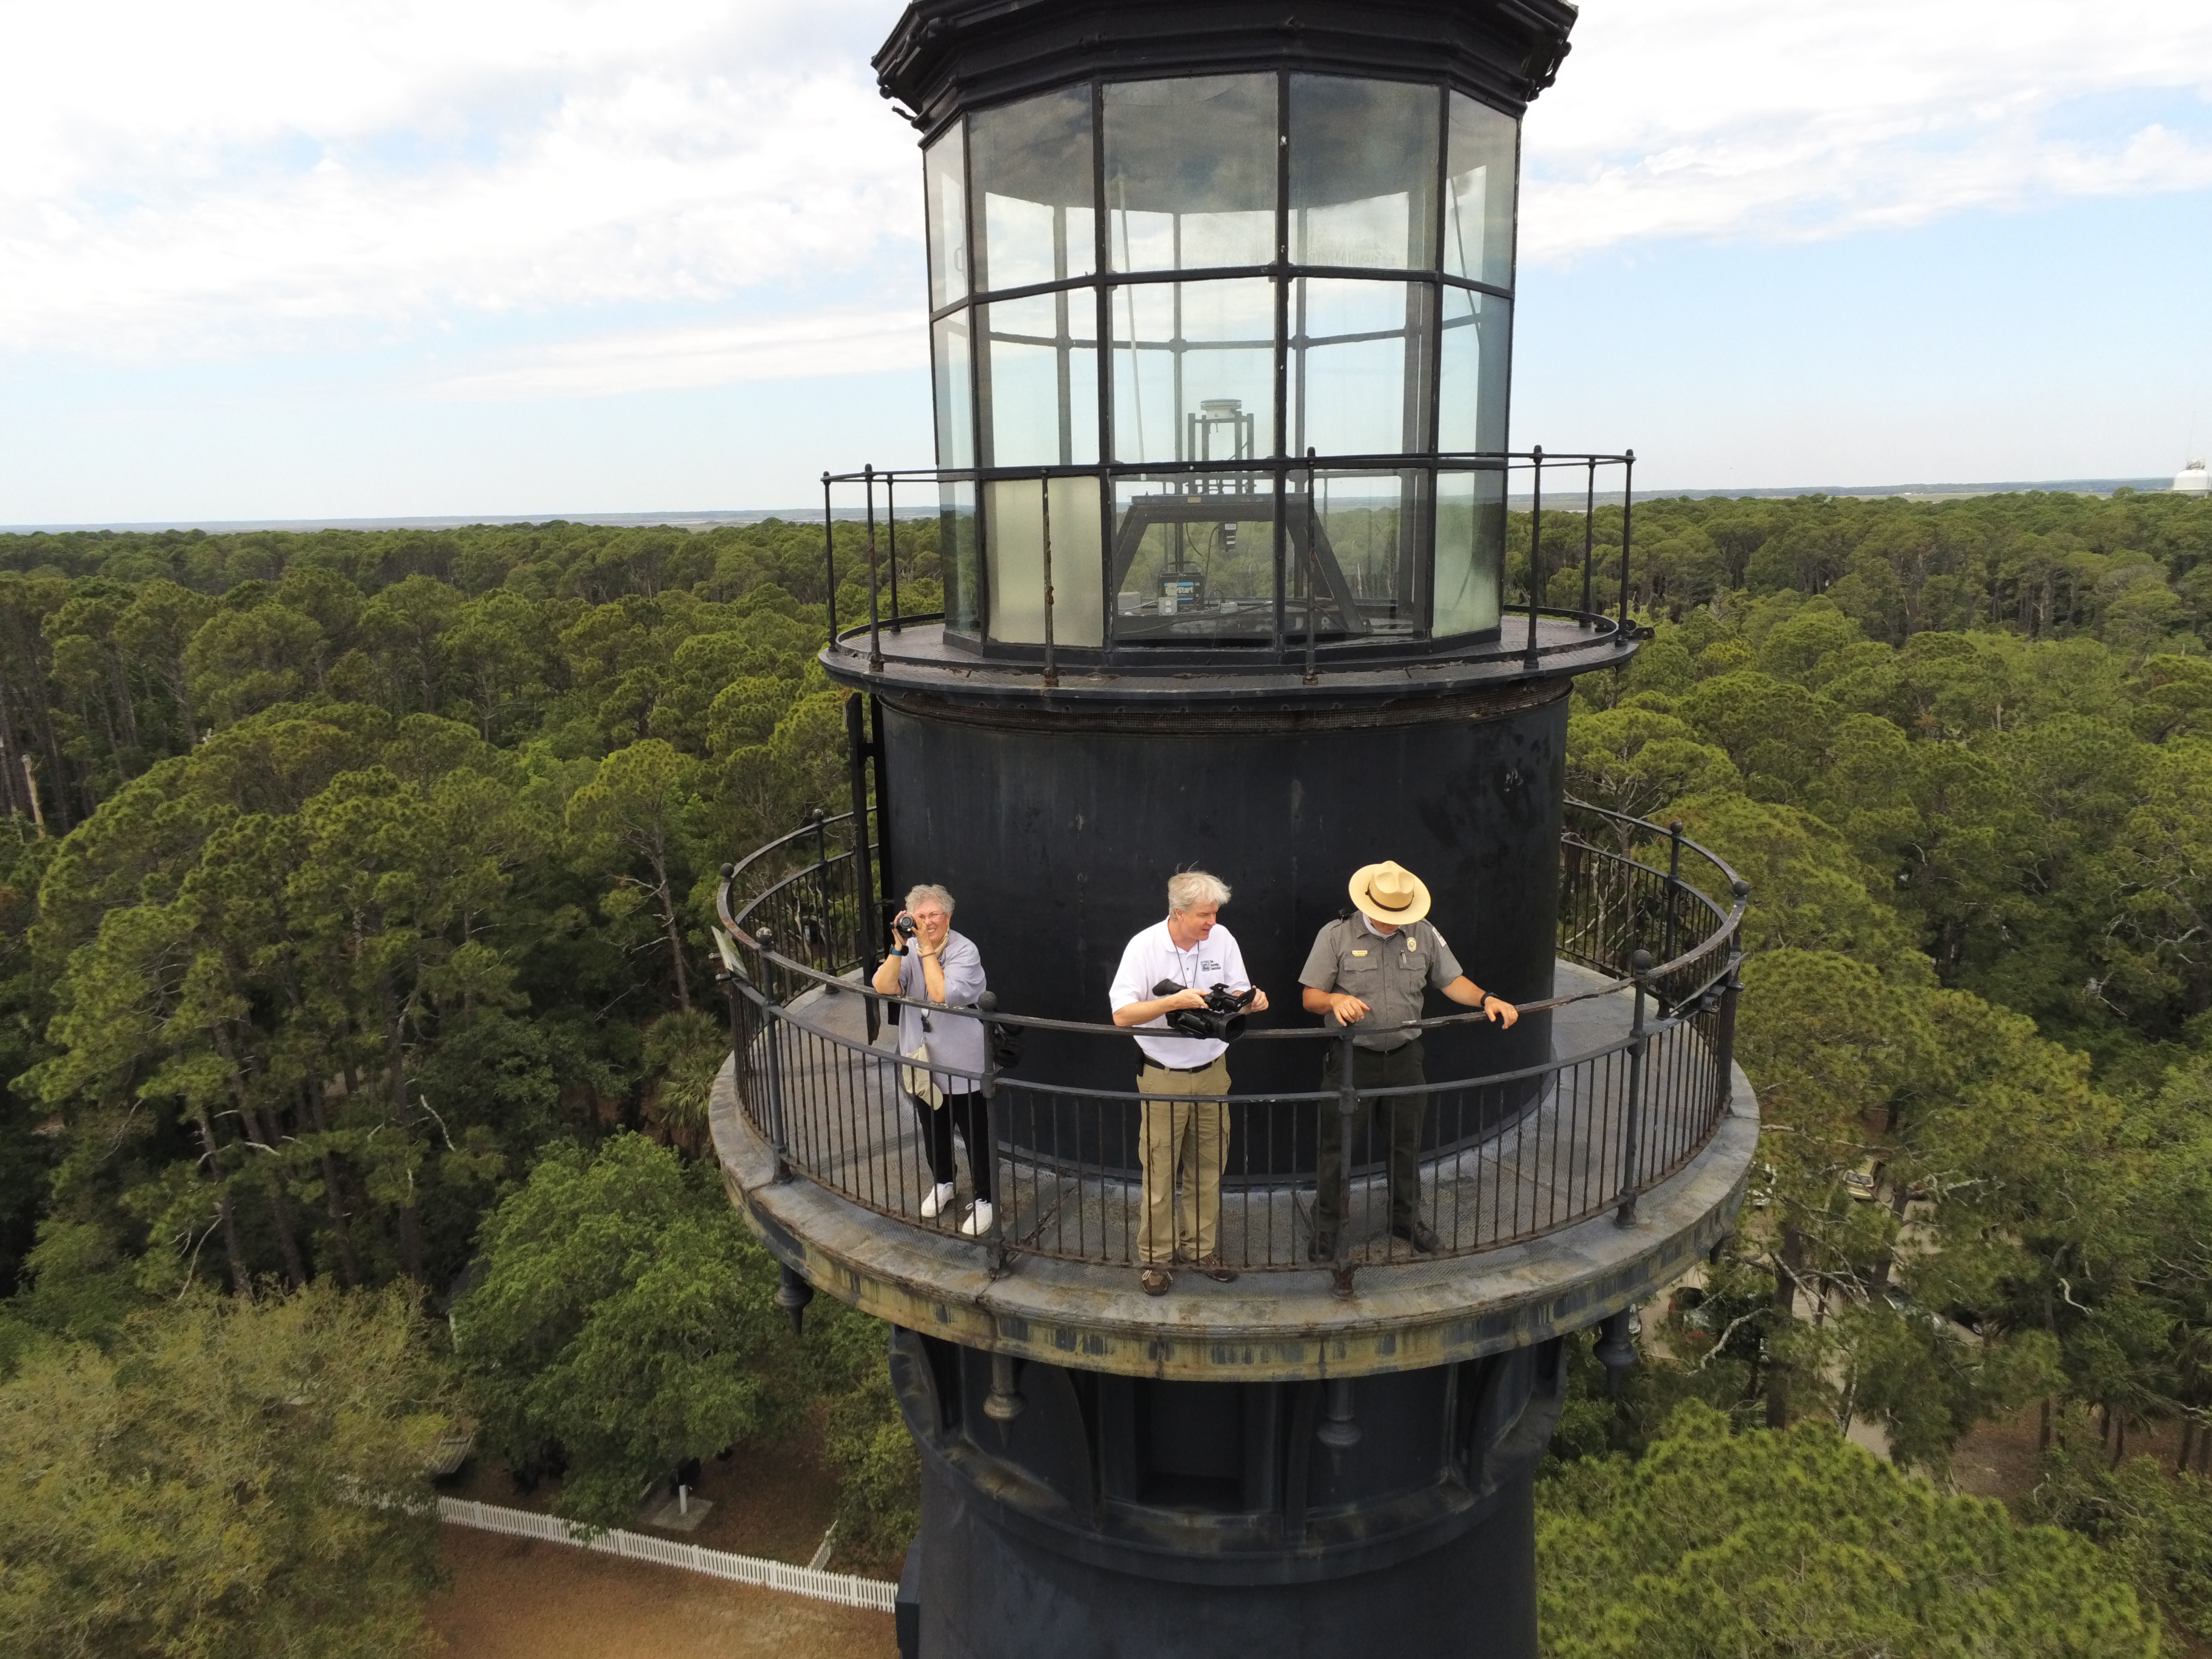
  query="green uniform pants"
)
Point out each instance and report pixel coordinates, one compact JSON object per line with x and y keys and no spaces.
{"x":1397,"y":1068}
{"x":1403,"y":1118}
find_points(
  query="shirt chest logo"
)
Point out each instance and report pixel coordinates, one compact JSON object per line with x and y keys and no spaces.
{"x":1209,"y":967}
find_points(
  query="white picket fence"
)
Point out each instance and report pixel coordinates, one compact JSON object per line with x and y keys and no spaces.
{"x":840,"y":1586}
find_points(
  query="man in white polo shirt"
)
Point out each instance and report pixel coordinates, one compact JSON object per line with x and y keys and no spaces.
{"x":1183,"y":1144}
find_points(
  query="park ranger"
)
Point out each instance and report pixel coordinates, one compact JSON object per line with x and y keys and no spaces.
{"x":1371,"y":967}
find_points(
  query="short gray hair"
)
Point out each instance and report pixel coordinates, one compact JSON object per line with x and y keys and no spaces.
{"x":1193,"y":888}
{"x":932,"y":891}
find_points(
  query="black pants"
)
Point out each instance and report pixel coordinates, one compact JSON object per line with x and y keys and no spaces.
{"x":1400,"y":1067}
{"x":972,"y":1113}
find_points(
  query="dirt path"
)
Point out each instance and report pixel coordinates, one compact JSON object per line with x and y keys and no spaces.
{"x":511,"y":1599}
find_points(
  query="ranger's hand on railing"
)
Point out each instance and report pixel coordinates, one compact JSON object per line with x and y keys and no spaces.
{"x":1348,"y":1009}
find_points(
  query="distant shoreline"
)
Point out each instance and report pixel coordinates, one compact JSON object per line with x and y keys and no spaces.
{"x":709,"y":518}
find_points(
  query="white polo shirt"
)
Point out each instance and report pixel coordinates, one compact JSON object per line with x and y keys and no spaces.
{"x":1151,"y":957}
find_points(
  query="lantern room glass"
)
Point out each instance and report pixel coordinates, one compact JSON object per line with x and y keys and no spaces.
{"x":1285,"y":281}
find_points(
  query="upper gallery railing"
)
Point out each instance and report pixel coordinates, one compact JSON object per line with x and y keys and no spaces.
{"x":1304,"y":583}
{"x":1639,"y":1082}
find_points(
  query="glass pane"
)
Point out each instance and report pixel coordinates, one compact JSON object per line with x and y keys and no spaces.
{"x":955,"y":544}
{"x":956,"y":424}
{"x":1478,"y":193}
{"x":1195,"y":370}
{"x":944,"y":193}
{"x":1474,"y":350}
{"x":1031,"y":168}
{"x":1363,"y":173}
{"x":1470,"y":546}
{"x":1190,"y":172}
{"x":1195,"y":560}
{"x":1363,"y":556}
{"x":1016,"y":526}
{"x":1358,"y":365}
{"x":1040,"y":380}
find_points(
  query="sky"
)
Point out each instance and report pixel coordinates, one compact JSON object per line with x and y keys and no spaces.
{"x":378,"y":257}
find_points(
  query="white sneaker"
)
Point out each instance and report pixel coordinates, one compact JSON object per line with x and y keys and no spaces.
{"x":938,"y":1200}
{"x":979,"y":1219}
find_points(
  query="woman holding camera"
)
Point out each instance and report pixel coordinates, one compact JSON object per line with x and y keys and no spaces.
{"x":930,"y":962}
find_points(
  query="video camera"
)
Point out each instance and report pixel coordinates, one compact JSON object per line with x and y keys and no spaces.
{"x":1222,"y":1016}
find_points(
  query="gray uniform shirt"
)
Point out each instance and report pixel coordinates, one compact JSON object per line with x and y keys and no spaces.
{"x":1388,"y":974}
{"x":953,"y":1039}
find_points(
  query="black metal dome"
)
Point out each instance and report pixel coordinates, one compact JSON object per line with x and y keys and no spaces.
{"x":948,"y":56}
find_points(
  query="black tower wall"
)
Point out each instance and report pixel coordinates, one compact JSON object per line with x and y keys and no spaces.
{"x":1062,"y":830}
{"x":1124,"y":1517}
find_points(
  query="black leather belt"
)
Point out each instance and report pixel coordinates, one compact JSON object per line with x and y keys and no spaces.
{"x":1186,"y":1071}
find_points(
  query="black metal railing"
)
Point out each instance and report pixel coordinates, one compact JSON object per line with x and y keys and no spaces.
{"x":1640,"y":1082}
{"x":1304,"y":585}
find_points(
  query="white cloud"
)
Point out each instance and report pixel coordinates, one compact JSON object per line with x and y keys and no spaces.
{"x":257,"y":177}
{"x":1792,"y":118}
{"x":826,"y":343}
{"x":244,"y":175}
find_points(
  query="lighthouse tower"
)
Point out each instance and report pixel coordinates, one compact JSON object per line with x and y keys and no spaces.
{"x":1221,"y":302}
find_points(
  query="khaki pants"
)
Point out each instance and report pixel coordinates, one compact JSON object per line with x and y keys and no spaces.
{"x":1183,"y":1146}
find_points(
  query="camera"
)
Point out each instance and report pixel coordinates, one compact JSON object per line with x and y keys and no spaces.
{"x":902,"y":925}
{"x":1222,"y":1018}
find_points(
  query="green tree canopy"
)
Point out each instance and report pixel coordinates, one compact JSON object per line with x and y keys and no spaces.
{"x":623,"y":1317}
{"x":233,"y":1478}
{"x":1797,"y":1542}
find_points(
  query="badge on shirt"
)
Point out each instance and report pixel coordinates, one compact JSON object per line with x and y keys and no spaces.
{"x":1411,"y":943}
{"x":1359,"y":953}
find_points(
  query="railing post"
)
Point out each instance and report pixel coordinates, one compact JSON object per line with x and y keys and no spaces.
{"x":1639,"y":965}
{"x":875,"y":621}
{"x":1724,"y":1043}
{"x":829,"y":558}
{"x":1348,"y":1104}
{"x":890,"y":533}
{"x":864,"y":885}
{"x":779,"y":1140}
{"x":729,"y":978}
{"x":1051,"y":666}
{"x":1590,"y":536}
{"x":1625,"y":637}
{"x":1535,"y":552}
{"x":1674,"y":886}
{"x":988,"y":1004}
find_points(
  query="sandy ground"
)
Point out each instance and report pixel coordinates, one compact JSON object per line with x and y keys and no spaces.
{"x":511,"y":1599}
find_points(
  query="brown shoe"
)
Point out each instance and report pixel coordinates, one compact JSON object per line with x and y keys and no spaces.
{"x":1155,"y":1281}
{"x":1217,"y":1270}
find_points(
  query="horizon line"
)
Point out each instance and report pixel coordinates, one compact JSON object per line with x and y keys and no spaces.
{"x":714,"y":518}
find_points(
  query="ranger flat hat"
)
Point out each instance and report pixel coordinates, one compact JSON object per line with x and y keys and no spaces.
{"x":1390,"y":893}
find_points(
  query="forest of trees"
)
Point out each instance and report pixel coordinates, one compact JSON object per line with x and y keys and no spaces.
{"x":365,"y":938}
